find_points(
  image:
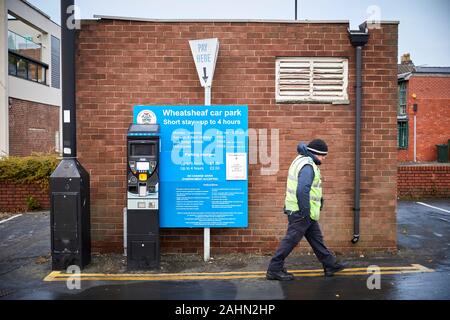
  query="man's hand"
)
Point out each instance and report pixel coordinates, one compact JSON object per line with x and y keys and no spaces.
{"x":321,"y":203}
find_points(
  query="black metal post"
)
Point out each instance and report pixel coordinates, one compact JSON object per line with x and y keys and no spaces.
{"x":296,"y":10}
{"x":69,"y":183}
{"x":68,"y":33}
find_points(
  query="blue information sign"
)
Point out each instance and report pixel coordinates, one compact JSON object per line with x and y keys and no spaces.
{"x":203,"y":164}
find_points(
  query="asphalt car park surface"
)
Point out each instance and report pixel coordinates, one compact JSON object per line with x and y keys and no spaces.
{"x":420,"y":269}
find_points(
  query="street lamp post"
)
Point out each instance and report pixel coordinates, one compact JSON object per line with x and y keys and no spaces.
{"x":69,"y":183}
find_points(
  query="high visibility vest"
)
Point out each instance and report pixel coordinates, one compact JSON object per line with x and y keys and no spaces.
{"x":315,"y":195}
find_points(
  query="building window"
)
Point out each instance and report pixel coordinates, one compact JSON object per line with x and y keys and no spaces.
{"x":402,"y":134}
{"x":22,"y":67}
{"x":27,"y":68}
{"x":42,"y":75}
{"x":32,"y":71}
{"x":12,"y":65}
{"x":300,"y":79}
{"x":402,"y":99}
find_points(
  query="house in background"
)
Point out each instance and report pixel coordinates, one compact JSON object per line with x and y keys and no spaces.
{"x":30,"y":91}
{"x":424,"y":97}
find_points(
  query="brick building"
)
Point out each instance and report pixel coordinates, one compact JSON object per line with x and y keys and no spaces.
{"x":30,"y":94}
{"x":123,"y":62}
{"x":429,"y":89}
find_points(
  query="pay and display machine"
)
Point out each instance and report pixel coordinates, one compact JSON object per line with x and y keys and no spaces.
{"x":143,"y":248}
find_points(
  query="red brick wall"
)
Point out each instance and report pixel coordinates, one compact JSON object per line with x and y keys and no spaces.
{"x":31,"y":53}
{"x":123,"y":63}
{"x":424,"y":181}
{"x":32,"y":127}
{"x":13,"y":196}
{"x":433,"y":116}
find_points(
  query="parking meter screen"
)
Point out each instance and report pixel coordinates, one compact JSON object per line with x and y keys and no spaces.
{"x":138,"y":149}
{"x":142,"y":166}
{"x":203,"y":164}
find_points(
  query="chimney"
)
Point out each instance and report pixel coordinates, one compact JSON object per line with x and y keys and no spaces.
{"x":406,"y":59}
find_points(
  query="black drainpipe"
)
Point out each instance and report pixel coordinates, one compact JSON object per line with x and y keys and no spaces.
{"x":358,"y":38}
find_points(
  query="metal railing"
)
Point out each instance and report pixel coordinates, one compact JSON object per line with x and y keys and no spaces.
{"x":24,"y":46}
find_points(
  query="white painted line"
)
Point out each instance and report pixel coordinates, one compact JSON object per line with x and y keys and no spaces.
{"x":13,"y":217}
{"x":422,"y":268}
{"x":427,"y":205}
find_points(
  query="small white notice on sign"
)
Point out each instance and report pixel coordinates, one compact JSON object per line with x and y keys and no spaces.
{"x":237,"y":166}
{"x":66,"y":116}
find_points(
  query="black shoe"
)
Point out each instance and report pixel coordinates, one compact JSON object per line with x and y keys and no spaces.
{"x":279,"y":275}
{"x":329,"y":272}
{"x":285,"y":271}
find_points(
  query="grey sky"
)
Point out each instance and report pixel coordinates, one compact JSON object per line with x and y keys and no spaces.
{"x":424,"y":28}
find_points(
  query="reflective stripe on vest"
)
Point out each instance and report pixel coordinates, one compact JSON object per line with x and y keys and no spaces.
{"x":315,"y":195}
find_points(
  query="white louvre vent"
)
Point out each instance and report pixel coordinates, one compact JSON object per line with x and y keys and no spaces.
{"x":311,"y":79}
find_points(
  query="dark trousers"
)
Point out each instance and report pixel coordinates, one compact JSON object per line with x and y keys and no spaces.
{"x":298,"y":227}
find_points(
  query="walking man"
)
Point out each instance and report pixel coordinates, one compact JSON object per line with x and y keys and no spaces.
{"x":302,"y":205}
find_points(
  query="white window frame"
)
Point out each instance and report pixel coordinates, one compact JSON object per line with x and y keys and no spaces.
{"x":342,"y":97}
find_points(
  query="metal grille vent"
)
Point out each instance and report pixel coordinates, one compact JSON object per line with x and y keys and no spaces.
{"x":311,"y":79}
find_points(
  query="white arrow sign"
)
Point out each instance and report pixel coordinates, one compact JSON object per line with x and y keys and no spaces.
{"x":205,"y":53}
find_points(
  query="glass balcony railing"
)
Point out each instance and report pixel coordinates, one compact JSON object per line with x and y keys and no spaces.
{"x":24,"y":60}
{"x":23,"y":46}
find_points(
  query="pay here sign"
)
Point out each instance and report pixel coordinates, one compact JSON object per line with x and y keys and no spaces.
{"x":203,"y":164}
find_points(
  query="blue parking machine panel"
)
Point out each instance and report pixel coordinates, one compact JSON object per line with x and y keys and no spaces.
{"x":203,"y":164}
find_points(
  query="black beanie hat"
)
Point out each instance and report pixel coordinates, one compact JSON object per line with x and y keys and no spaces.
{"x":318,"y":147}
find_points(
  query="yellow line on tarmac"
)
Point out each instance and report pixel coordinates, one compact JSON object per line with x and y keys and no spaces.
{"x":52,"y":276}
{"x":60,"y":276}
{"x":58,"y":273}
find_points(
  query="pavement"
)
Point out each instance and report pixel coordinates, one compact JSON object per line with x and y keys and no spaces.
{"x":420,"y":269}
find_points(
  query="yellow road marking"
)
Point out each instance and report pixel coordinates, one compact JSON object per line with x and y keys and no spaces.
{"x":51,"y":276}
{"x":60,"y":276}
{"x":57,"y":273}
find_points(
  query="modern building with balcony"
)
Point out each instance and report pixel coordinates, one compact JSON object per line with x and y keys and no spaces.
{"x":30,"y":80}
